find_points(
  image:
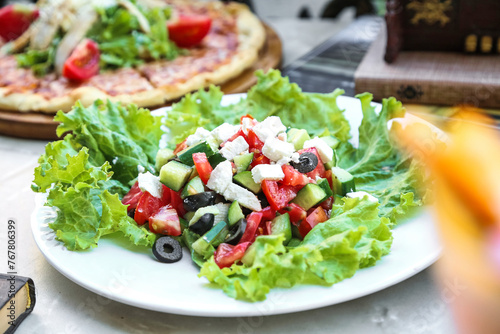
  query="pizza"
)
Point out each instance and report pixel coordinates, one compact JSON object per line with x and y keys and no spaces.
{"x":76,"y":51}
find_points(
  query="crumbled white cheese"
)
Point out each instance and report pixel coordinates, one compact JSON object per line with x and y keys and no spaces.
{"x":201,"y":134}
{"x":140,"y":168}
{"x":282,"y":136}
{"x":295,"y":157}
{"x":270,"y":127}
{"x":277,"y":150}
{"x":267,"y":172}
{"x":224,"y":131}
{"x":221,"y":177}
{"x":361,"y":195}
{"x":244,"y":197}
{"x":233,"y":148}
{"x":223,"y":210}
{"x":150,"y":183}
{"x":325,"y":152}
{"x":246,"y":124}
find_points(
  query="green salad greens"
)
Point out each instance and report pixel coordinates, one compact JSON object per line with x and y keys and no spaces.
{"x":121,"y":41}
{"x":86,"y":173}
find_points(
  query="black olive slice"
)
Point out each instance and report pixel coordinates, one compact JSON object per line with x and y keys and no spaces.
{"x":167,"y":250}
{"x":236,"y":232}
{"x":204,"y":224}
{"x":307,"y":162}
{"x":194,"y":202}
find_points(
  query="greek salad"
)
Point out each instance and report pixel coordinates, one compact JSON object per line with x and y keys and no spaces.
{"x":265,"y":193}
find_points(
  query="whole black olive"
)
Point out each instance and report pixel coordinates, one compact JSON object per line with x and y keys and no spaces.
{"x":167,"y":250}
{"x":194,"y":202}
{"x":236,"y":232}
{"x":307,"y":162}
{"x":204,"y":224}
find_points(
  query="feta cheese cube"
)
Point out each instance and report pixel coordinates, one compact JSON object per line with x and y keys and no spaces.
{"x":276,"y":149}
{"x":267,"y":172}
{"x":221,"y":177}
{"x":232,"y":149}
{"x":224,"y":131}
{"x":270,"y":127}
{"x":200,"y":135}
{"x":150,"y":183}
{"x":246,"y":124}
{"x":295,"y":157}
{"x":325,"y":152}
{"x":361,"y":195}
{"x":244,"y":197}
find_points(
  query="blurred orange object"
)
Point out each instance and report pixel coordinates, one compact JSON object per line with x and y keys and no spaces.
{"x":467,"y":191}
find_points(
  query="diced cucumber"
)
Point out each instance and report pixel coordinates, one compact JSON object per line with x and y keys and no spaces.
{"x":216,"y":159}
{"x":193,"y":187}
{"x":174,"y":175}
{"x":163,"y":156}
{"x":184,"y":223}
{"x":223,"y":210}
{"x":245,"y":179}
{"x":188,"y":216}
{"x":330,"y":164}
{"x":281,"y":224}
{"x":211,"y":238}
{"x":249,"y":256}
{"x":213,"y":209}
{"x":297,"y":137}
{"x":343,"y":181}
{"x":323,"y":183}
{"x":186,"y":156}
{"x":310,"y":195}
{"x":331,"y":141}
{"x":234,"y":214}
{"x":242,"y":162}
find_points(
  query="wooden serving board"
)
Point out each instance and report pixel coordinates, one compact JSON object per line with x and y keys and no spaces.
{"x":41,"y":126}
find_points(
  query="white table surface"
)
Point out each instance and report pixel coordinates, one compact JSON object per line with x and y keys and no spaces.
{"x":413,"y":306}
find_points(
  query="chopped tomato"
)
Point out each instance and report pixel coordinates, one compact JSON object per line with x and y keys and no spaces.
{"x":147,"y":206}
{"x":202,"y":166}
{"x":246,"y":116}
{"x":278,"y":197}
{"x":293,"y":177}
{"x":320,"y":168}
{"x":165,"y":221}
{"x":132,"y":197}
{"x":269,"y":225}
{"x":180,"y":147}
{"x":176,"y":201}
{"x":328,"y":176}
{"x":226,"y":254}
{"x":83,"y":63}
{"x":327,"y":204}
{"x":296,"y":213}
{"x":190,"y":30}
{"x":16,"y":19}
{"x":268,"y":213}
{"x":253,"y":141}
{"x":259,"y":159}
{"x":236,"y":135}
{"x":253,"y":222}
{"x":313,"y":219}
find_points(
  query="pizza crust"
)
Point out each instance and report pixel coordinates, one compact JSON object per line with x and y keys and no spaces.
{"x":251,"y":37}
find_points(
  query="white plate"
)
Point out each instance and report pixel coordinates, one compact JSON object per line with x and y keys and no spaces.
{"x":121,"y":273}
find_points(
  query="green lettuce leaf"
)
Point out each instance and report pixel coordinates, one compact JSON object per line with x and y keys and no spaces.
{"x":86,"y":171}
{"x":354,"y":238}
{"x":377,"y":165}
{"x":273,"y":95}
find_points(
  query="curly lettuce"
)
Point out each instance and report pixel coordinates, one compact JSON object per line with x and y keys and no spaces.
{"x":85,"y":172}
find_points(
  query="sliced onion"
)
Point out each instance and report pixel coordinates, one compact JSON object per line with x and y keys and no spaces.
{"x":82,"y":24}
{"x":143,"y":21}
